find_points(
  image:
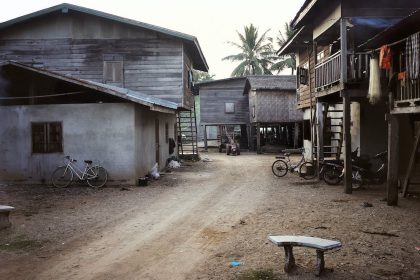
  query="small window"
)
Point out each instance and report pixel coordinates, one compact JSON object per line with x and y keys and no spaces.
{"x":47,"y":137}
{"x":303,"y":76}
{"x":166,"y":132}
{"x":113,"y":72}
{"x":253,"y":111}
{"x":229,"y":108}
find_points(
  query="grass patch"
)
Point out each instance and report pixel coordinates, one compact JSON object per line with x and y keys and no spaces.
{"x":259,"y":274}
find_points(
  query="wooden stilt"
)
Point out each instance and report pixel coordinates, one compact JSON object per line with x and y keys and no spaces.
{"x":411,"y":163}
{"x":320,"y":135}
{"x":393,"y":158}
{"x":296,"y":135}
{"x":347,"y":144}
{"x":258,"y":139}
{"x":205,"y":138}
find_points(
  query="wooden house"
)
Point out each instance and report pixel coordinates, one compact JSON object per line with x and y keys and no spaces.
{"x":93,"y":85}
{"x":258,"y":109}
{"x":403,"y":94}
{"x":332,"y":75}
{"x":274,"y":118}
{"x":224,"y":106}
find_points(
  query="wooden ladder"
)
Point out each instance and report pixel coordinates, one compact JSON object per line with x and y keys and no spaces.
{"x":187,"y":133}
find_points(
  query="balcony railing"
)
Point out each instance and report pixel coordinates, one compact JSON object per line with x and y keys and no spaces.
{"x":328,"y":72}
{"x":408,"y":93}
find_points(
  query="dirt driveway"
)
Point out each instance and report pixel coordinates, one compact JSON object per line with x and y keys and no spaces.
{"x":193,"y":222}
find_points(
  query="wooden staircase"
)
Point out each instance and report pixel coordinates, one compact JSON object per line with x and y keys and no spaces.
{"x":187,"y":134}
{"x":332,"y":133}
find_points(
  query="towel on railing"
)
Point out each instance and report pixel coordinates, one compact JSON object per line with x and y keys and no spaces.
{"x":374,"y":93}
{"x":412,"y":57}
{"x":385,"y":57}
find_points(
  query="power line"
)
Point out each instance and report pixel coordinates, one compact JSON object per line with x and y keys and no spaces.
{"x":43,"y":96}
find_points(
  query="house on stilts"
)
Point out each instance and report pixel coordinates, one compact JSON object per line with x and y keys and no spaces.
{"x":333,"y":76}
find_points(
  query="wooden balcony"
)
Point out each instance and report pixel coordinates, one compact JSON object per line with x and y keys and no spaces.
{"x":407,"y":96}
{"x":328,"y":74}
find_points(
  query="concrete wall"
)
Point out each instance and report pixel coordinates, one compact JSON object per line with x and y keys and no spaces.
{"x":145,"y":140}
{"x":120,"y":136}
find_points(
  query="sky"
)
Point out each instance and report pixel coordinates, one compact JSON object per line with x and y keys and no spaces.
{"x":213,"y":22}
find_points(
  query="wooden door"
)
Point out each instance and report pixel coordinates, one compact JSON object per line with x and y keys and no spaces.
{"x":157,"y":138}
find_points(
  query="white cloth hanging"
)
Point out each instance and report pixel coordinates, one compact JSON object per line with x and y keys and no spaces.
{"x":374,"y":93}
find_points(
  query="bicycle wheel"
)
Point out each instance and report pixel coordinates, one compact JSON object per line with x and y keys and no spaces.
{"x":332,"y":175}
{"x":62,"y":177}
{"x":97,"y":176}
{"x":307,"y":171}
{"x":279,"y":168}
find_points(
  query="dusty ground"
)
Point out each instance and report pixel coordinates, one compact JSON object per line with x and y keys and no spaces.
{"x":193,"y":222}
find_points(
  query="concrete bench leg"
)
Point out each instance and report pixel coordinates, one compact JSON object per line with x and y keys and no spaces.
{"x":320,"y":263}
{"x":289,"y":259}
{"x":4,"y":220}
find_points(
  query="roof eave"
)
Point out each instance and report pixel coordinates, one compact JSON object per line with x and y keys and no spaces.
{"x":170,"y":106}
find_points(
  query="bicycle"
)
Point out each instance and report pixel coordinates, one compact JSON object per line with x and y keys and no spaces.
{"x":282,"y":165}
{"x":95,"y":175}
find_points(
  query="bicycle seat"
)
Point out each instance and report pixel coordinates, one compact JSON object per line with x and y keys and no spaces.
{"x":88,"y":161}
{"x":280,"y":157}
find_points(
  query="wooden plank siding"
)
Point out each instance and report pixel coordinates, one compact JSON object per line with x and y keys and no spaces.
{"x":151,"y":66}
{"x":153,"y":63}
{"x":213,"y":97}
{"x":303,"y":92}
{"x":188,"y":97}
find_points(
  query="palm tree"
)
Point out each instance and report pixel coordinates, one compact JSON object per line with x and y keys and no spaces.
{"x":286,"y":61}
{"x":256,"y":53}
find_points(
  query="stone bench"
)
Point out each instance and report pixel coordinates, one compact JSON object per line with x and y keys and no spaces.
{"x":321,"y":245}
{"x":4,"y":216}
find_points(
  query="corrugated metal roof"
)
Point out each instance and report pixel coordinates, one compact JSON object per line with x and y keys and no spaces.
{"x":192,"y":41}
{"x":272,"y":82}
{"x":404,"y":28}
{"x":130,"y":95}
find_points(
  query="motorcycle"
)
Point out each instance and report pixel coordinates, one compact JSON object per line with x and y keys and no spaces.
{"x":362,"y":173}
{"x":365,"y":174}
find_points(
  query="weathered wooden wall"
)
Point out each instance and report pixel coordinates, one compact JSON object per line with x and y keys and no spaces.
{"x":76,"y":44}
{"x":307,"y":58}
{"x":273,"y":106}
{"x":213,"y":97}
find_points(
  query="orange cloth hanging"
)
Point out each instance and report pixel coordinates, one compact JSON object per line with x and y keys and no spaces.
{"x":385,"y":57}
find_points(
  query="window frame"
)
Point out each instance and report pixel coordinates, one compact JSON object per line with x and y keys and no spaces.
{"x":229,"y":111}
{"x":48,"y":146}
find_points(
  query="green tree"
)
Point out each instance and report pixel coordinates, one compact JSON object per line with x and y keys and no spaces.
{"x":200,"y":76}
{"x":289,"y":60}
{"x":256,"y":54}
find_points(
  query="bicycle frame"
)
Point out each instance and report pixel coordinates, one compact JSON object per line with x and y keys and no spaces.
{"x":293,"y":167}
{"x":77,"y":171}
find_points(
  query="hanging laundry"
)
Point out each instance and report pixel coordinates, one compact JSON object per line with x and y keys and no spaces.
{"x":412,"y":56}
{"x":374,"y":93}
{"x":385,"y":57}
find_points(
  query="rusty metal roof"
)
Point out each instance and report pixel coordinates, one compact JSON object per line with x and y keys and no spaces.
{"x":124,"y":93}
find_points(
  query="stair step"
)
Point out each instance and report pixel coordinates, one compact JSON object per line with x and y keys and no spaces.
{"x":334,"y":125}
{"x":336,"y":111}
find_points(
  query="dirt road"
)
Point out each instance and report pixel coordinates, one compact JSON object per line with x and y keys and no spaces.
{"x":171,"y":234}
{"x":193,"y":222}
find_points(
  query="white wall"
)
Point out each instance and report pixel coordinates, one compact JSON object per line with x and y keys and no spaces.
{"x":121,"y":136}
